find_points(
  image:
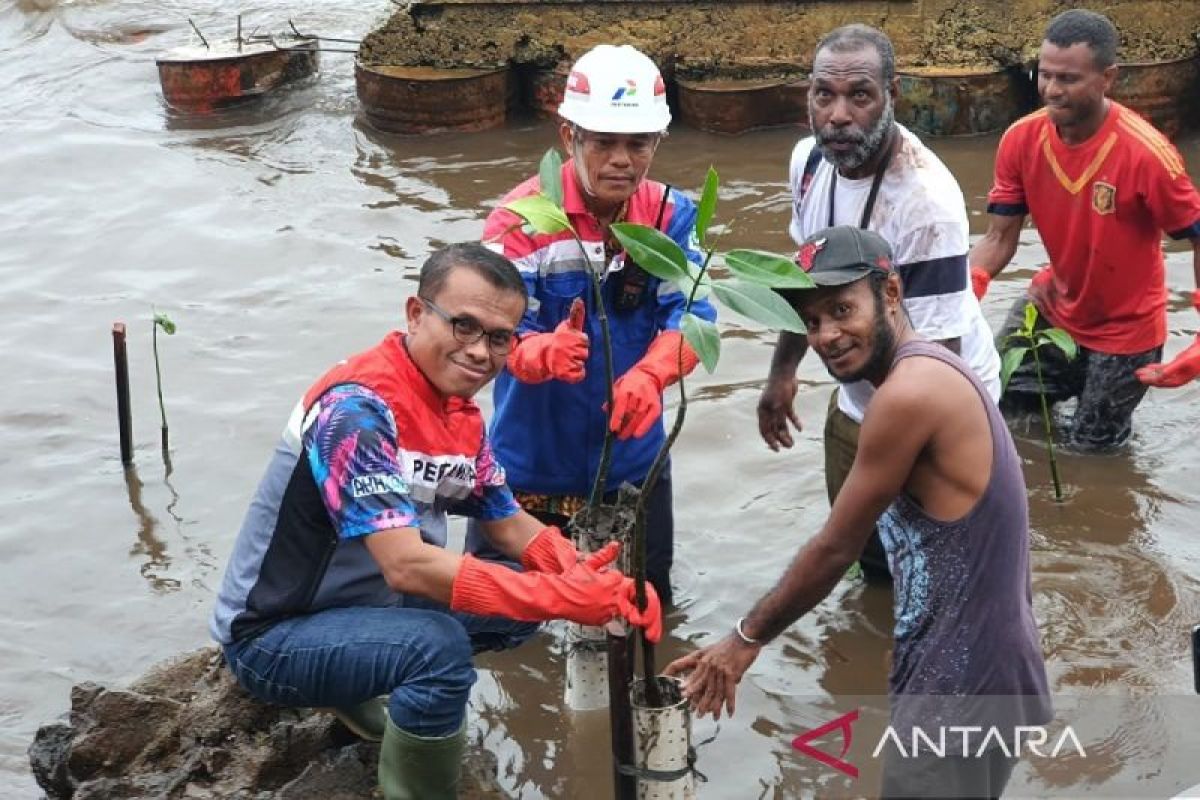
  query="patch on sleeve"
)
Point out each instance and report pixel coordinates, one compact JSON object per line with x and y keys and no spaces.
{"x":379,"y":483}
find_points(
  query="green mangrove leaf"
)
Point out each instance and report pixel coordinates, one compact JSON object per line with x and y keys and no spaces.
{"x":164,"y":322}
{"x":767,"y":269}
{"x":654,"y":252}
{"x":1031,"y":315}
{"x":1008,"y":365}
{"x":550,"y":176}
{"x":1062,"y":340}
{"x":703,"y":337}
{"x":541,"y":213}
{"x":708,"y":205}
{"x":759,"y":304}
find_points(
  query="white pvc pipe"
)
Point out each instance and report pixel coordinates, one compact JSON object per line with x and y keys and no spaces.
{"x":587,"y":668}
{"x":662,"y":739}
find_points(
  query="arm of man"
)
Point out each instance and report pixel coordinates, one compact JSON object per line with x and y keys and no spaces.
{"x":897,"y":427}
{"x":1006,"y":208}
{"x":997,"y":247}
{"x":776,"y":405}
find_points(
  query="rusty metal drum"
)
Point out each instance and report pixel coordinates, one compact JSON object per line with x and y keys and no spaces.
{"x":198,"y":79}
{"x":1164,"y":92}
{"x":960,"y":101}
{"x":420,"y":100}
{"x":734,"y":106}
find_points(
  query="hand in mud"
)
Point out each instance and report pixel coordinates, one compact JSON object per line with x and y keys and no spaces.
{"x":714,"y":673}
{"x":1182,"y":369}
{"x":776,"y":410}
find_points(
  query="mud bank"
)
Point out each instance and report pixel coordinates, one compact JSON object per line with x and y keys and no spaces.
{"x":186,"y":730}
{"x":754,"y":39}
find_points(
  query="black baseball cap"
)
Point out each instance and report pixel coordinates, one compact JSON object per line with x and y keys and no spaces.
{"x":843,"y":254}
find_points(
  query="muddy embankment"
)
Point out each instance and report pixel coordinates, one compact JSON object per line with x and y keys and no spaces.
{"x":755,"y":39}
{"x":185,"y":730}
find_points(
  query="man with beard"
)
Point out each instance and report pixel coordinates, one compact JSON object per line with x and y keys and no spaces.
{"x":862,"y":168}
{"x":1102,"y":185}
{"x":937,"y":468}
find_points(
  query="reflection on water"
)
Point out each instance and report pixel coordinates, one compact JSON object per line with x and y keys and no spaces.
{"x":287,"y":236}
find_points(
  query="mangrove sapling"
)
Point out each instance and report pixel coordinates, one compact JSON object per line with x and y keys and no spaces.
{"x":161,"y":321}
{"x":543,"y":213}
{"x":756,"y":275}
{"x":1029,"y":340}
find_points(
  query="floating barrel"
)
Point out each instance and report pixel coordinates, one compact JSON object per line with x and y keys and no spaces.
{"x":1163,"y":92}
{"x":430,"y":100}
{"x":958,"y":101}
{"x":743,"y":104}
{"x":198,"y":80}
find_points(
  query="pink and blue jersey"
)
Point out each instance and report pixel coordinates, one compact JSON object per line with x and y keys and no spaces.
{"x":372,"y":446}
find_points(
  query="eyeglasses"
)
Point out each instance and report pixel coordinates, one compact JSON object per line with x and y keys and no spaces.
{"x":467,"y":330}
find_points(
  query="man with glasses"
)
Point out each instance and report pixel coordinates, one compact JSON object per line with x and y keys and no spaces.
{"x":551,"y":419}
{"x":340,"y":590}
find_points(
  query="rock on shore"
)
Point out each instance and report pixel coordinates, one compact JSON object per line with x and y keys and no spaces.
{"x":186,"y":731}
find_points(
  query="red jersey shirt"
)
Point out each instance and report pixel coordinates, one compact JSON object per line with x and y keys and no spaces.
{"x":1100,"y":207}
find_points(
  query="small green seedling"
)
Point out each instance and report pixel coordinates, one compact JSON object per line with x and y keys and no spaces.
{"x":1028,"y":339}
{"x":161,"y":321}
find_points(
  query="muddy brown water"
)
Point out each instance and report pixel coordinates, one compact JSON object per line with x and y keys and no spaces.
{"x":283,"y":237}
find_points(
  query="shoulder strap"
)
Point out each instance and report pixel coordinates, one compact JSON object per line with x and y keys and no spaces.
{"x":810,"y":169}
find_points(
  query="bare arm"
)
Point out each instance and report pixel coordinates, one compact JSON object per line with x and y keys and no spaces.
{"x":410,"y":566}
{"x":997,"y":247}
{"x":512,"y":534}
{"x":894,"y":432}
{"x":776,"y":405}
{"x":897,"y":428}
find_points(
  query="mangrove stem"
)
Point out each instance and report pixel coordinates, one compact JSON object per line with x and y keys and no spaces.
{"x":1037,"y":363}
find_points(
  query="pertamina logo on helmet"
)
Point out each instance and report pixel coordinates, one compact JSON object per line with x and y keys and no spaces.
{"x":629,"y":90}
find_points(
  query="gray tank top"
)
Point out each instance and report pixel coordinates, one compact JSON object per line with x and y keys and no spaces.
{"x":963,"y":596}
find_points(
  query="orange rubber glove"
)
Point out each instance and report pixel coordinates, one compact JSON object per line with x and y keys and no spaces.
{"x":637,"y":395}
{"x":561,"y":355}
{"x":980,"y":281}
{"x":1182,"y":369}
{"x":550,"y":551}
{"x":582,"y":594}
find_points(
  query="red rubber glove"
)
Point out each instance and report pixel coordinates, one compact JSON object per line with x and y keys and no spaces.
{"x":582,"y":594}
{"x":550,"y":551}
{"x":637,"y":395}
{"x":980,"y":280}
{"x":561,"y":355}
{"x":1182,"y":369}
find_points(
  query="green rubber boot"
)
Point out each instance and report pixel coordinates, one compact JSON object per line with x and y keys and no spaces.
{"x":365,"y":720}
{"x":415,"y":767}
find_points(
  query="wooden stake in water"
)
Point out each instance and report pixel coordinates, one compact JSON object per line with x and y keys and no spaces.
{"x":124,"y":415}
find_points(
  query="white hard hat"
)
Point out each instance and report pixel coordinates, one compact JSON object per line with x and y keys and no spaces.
{"x":616,"y":90}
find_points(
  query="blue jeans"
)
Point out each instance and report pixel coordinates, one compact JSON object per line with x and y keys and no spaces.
{"x":419,"y":653}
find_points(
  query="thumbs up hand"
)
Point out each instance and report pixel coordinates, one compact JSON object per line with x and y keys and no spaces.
{"x":561,"y":355}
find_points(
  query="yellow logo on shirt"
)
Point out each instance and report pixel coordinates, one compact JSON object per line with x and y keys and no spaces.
{"x":1104,"y":197}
